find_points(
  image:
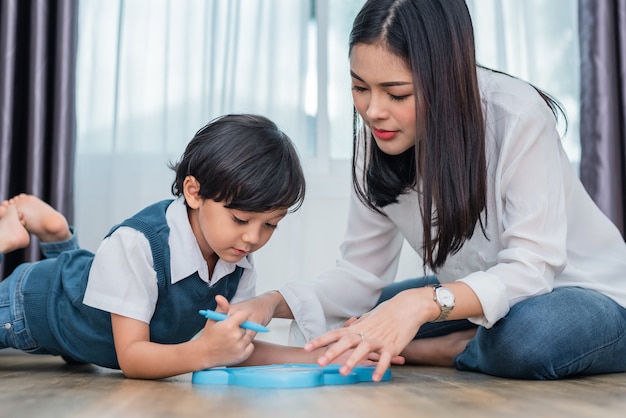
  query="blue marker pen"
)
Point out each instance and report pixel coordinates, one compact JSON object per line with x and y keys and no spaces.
{"x":217,"y":316}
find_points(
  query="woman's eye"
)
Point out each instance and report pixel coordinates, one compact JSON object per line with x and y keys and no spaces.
{"x":398,"y":98}
{"x":358,"y":89}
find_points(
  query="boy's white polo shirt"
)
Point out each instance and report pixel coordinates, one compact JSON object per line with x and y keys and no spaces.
{"x":123,"y":281}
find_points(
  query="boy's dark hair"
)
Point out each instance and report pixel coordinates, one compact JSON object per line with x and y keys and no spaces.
{"x":245,"y":161}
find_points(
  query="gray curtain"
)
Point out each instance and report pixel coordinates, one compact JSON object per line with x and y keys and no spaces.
{"x":602,"y":34}
{"x":37,"y":111}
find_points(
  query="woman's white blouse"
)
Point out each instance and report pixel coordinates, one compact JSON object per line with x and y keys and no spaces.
{"x":543,"y":229}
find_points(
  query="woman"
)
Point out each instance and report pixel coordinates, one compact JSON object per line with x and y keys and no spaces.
{"x":465,"y":164}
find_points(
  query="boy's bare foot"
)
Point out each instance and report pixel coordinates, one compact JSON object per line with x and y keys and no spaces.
{"x":13,"y":235}
{"x":41,"y":219}
{"x":438,"y":351}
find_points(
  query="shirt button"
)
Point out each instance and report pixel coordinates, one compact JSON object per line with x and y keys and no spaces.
{"x":7,"y":326}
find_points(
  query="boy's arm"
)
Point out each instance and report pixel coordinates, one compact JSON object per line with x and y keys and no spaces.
{"x":268,"y":353}
{"x":219,"y":344}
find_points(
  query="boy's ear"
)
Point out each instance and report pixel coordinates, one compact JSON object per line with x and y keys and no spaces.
{"x":191,"y":191}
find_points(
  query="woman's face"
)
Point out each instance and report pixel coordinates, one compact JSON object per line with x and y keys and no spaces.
{"x":382,"y":90}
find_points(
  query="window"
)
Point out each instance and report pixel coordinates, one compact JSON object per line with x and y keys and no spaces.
{"x":152,"y":72}
{"x":537,"y":41}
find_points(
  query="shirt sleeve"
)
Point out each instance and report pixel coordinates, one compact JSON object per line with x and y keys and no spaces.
{"x":122,"y":279}
{"x":369,"y":260}
{"x":531,"y":214}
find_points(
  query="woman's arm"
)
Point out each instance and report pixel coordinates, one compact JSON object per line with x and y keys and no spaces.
{"x":264,"y":307}
{"x":389,"y":328}
{"x":370,"y":253}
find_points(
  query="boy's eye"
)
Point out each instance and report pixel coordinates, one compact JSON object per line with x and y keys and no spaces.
{"x":239,"y":221}
{"x":269,"y":225}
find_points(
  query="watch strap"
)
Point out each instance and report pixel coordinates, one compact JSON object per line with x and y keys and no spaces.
{"x":445,"y":310}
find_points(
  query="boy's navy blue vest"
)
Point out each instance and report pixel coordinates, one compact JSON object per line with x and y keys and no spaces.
{"x":63,"y":325}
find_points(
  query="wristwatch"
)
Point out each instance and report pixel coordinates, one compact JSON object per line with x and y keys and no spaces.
{"x":445,"y":298}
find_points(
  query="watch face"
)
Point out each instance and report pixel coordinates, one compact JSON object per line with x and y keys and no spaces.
{"x":445,"y":296}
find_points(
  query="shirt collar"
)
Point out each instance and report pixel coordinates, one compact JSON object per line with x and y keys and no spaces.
{"x":185,"y":255}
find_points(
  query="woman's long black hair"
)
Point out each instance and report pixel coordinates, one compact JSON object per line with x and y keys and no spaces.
{"x":447,"y":167}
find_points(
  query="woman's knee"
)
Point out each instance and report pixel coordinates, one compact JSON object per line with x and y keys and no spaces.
{"x":513,"y":355}
{"x":570,"y":331}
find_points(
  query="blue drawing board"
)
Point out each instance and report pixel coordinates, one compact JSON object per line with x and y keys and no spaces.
{"x":284,"y":376}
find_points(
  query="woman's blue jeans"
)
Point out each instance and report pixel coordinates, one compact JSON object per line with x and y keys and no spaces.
{"x":570,"y":331}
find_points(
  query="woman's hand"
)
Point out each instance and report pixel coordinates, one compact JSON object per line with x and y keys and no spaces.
{"x":386,"y":331}
{"x":371,"y":359}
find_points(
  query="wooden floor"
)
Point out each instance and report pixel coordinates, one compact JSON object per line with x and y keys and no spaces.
{"x":43,"y":386}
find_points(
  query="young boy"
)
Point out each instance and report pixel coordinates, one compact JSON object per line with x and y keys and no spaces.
{"x":134,"y":305}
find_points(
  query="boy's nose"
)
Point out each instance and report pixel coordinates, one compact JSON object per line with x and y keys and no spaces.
{"x":251,"y":236}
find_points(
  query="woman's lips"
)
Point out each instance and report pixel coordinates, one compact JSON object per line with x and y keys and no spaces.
{"x":383,"y":134}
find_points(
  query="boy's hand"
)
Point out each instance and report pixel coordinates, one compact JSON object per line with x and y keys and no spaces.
{"x":225,"y":342}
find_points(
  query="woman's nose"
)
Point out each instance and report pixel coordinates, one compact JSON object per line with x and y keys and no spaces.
{"x":375,"y":108}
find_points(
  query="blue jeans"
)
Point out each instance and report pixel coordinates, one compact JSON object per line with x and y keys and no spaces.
{"x":14,"y":331}
{"x":570,"y":331}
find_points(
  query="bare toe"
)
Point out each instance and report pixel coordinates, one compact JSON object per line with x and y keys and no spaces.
{"x":41,"y":219}
{"x":13,"y":235}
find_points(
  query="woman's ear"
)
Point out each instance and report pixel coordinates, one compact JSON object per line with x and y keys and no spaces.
{"x":191,"y":191}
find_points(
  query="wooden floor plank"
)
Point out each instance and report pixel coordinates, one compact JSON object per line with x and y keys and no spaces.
{"x":44,"y":386}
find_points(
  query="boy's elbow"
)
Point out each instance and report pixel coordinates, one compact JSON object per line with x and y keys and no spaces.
{"x":129,"y":372}
{"x":131,"y":369}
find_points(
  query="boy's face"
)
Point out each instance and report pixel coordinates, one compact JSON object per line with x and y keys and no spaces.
{"x":232,"y":234}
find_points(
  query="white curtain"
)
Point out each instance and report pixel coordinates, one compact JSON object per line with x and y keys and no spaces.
{"x":537,"y":41}
{"x":152,"y":72}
